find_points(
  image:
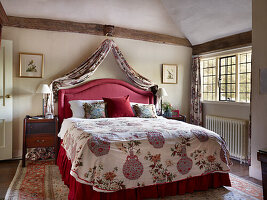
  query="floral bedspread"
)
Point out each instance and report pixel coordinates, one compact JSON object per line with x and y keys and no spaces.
{"x":111,"y":154}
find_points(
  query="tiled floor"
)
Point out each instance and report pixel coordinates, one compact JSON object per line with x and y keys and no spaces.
{"x":8,"y":170}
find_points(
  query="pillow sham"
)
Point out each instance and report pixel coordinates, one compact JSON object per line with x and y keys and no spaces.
{"x":145,"y":110}
{"x":77,"y":109}
{"x":119,"y":107}
{"x":94,"y":110}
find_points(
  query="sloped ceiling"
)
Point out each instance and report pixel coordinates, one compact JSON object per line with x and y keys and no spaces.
{"x":197,"y":20}
{"x":206,"y":20}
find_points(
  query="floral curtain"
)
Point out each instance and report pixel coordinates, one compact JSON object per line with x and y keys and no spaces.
{"x":87,"y":69}
{"x":196,"y":105}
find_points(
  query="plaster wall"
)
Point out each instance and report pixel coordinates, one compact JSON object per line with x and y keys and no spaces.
{"x":259,"y":101}
{"x":65,"y":51}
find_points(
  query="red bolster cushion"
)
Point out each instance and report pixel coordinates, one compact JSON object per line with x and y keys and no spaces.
{"x":119,"y":107}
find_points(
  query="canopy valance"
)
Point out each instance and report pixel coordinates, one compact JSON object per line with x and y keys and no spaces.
{"x":87,"y":69}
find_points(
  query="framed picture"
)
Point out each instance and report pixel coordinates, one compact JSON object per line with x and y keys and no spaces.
{"x":169,"y":73}
{"x":31,"y":65}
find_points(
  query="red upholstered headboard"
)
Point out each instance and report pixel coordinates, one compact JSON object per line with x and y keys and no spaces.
{"x":95,"y":90}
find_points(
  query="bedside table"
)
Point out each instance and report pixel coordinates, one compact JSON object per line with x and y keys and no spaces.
{"x":39,"y":133}
{"x":180,"y":118}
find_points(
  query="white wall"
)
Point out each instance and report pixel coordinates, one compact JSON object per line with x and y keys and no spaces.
{"x":259,"y":101}
{"x":227,"y":109}
{"x":65,"y":51}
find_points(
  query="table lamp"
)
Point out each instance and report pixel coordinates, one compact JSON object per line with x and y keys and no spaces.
{"x":45,"y":90}
{"x":161,"y":93}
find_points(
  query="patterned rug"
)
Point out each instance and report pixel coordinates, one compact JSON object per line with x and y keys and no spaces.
{"x":42,"y":180}
{"x":39,"y":180}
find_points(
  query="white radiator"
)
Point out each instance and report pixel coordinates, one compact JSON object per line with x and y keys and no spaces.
{"x":234,"y":132}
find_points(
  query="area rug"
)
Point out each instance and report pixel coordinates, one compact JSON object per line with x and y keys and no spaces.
{"x":38,"y":180}
{"x":42,"y":180}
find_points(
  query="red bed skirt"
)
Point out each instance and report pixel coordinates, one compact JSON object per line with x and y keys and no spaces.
{"x":81,"y":191}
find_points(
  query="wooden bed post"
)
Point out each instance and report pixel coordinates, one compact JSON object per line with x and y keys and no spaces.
{"x":154,"y":90}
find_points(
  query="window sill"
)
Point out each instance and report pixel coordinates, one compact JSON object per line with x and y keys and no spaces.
{"x":226,"y":103}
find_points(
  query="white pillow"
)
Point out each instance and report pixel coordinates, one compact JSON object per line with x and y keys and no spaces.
{"x":76,"y":107}
{"x":132,"y":103}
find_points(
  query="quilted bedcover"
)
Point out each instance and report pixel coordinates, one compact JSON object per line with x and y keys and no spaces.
{"x":111,"y":154}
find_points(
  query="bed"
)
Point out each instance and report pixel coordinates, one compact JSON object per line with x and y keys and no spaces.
{"x":157,"y":158}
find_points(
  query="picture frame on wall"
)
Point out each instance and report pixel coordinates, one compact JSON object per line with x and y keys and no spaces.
{"x":31,"y":65}
{"x":169,"y":73}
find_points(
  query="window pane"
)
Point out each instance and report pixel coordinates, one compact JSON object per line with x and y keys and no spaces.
{"x":210,"y":63}
{"x":227,"y":91}
{"x":223,"y":79}
{"x":229,"y":61}
{"x":222,"y":61}
{"x":233,"y":96}
{"x":210,"y":96}
{"x":248,"y":88}
{"x":243,"y":58}
{"x":242,"y":87}
{"x":223,"y":97}
{"x":233,"y":69}
{"x":233,"y":78}
{"x":249,"y":67}
{"x":233,"y":60}
{"x":205,"y":63}
{"x":243,"y":78}
{"x":242,"y":97}
{"x":205,"y":80}
{"x":243,"y":68}
{"x":205,"y":72}
{"x":233,"y":88}
{"x":248,"y":77}
{"x":229,"y":79}
{"x":222,"y":70}
{"x":223,"y":87}
{"x":208,"y":79}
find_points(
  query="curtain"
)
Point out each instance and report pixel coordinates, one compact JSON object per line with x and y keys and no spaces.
{"x":196,"y":105}
{"x":85,"y":70}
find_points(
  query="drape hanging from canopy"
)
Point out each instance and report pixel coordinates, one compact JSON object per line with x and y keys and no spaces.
{"x":87,"y":69}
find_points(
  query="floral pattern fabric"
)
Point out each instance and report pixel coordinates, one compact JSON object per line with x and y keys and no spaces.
{"x":145,"y":111}
{"x":86,"y":69}
{"x":196,"y":105}
{"x":111,"y":154}
{"x":94,"y":110}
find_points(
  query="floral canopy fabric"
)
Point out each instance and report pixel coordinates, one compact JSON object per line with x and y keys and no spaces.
{"x":87,"y":69}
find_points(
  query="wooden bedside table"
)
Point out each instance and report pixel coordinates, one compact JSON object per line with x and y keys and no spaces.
{"x":39,"y":133}
{"x":180,"y":118}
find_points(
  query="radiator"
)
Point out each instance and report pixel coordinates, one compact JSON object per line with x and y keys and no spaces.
{"x":234,"y":132}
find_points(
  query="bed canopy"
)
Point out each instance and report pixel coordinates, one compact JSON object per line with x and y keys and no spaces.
{"x":81,"y":74}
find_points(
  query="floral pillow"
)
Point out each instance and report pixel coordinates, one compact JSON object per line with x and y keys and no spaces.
{"x":145,"y":111}
{"x":94,"y":110}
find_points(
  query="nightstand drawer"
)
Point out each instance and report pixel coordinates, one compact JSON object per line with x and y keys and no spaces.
{"x":40,"y":141}
{"x":43,"y":127}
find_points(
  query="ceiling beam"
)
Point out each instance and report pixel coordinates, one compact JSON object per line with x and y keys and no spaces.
{"x":3,"y":16}
{"x":230,"y":42}
{"x":94,"y":29}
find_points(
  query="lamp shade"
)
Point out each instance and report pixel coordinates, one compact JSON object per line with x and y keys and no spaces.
{"x":44,"y":89}
{"x":162,"y":92}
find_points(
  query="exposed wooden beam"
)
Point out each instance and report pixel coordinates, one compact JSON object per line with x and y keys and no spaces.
{"x":233,"y":41}
{"x":3,"y":16}
{"x":94,"y":29}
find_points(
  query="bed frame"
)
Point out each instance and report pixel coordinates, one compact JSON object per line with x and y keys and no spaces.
{"x":96,"y":90}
